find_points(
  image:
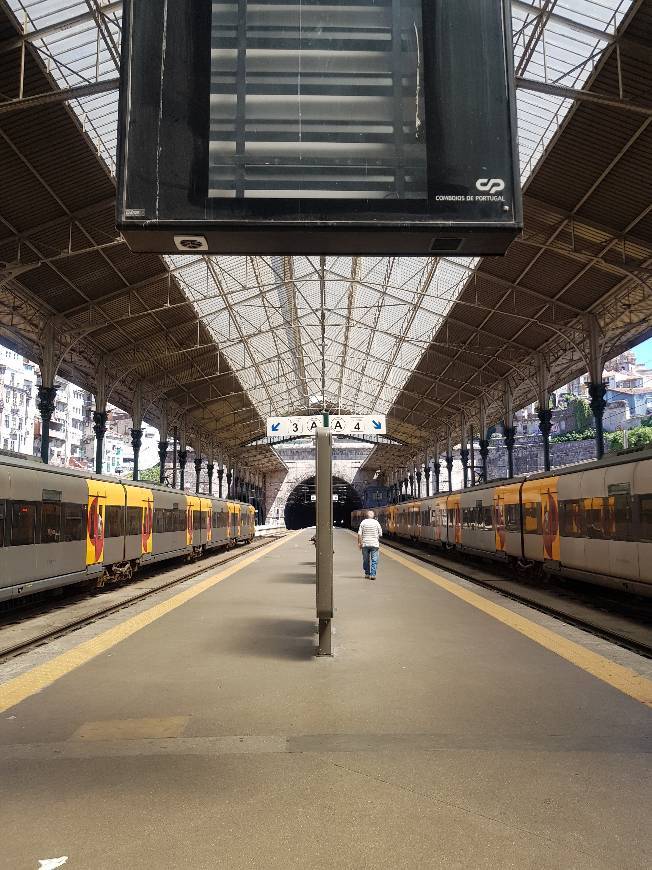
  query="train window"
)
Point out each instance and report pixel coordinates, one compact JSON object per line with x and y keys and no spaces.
{"x":23,"y":523}
{"x":2,"y":522}
{"x":513,"y":517}
{"x":50,"y":522}
{"x":74,"y":522}
{"x":532,"y":518}
{"x":645,"y":518}
{"x":196,"y":520}
{"x":621,"y":506}
{"x":571,"y":519}
{"x":595,"y":519}
{"x":113,"y":521}
{"x":134,"y":521}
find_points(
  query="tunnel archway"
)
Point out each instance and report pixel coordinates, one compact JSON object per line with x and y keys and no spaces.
{"x":300,"y":509}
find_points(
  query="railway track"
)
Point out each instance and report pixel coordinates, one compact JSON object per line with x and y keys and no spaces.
{"x":41,"y":636}
{"x":602,"y":612}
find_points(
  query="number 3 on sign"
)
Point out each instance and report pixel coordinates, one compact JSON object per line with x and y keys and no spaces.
{"x":295,"y":427}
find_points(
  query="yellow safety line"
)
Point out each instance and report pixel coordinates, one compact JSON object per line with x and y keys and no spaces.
{"x":38,"y":678}
{"x":621,"y":678}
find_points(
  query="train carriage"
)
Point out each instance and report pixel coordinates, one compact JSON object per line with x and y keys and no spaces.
{"x":592,"y":522}
{"x":43,"y":529}
{"x":61,"y":526}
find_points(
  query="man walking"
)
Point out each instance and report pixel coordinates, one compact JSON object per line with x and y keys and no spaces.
{"x":369,"y":534}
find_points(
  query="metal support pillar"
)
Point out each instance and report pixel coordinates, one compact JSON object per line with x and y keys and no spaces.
{"x":509,"y":430}
{"x":545,"y":425}
{"x":449,"y":466}
{"x":436,"y":467}
{"x":162,"y":456}
{"x":183,"y":458}
{"x":45,"y":404}
{"x":220,"y":480}
{"x":411,"y":479}
{"x":136,"y":441}
{"x":543,"y":411}
{"x":175,"y":433}
{"x":483,"y":440}
{"x":137,"y":423}
{"x":163,"y":444}
{"x":210,"y":469}
{"x":426,"y":472}
{"x":47,"y":392}
{"x":484,"y":455}
{"x":418,"y":477}
{"x":100,"y":415}
{"x":464,"y":451}
{"x":510,"y":437}
{"x":198,"y":464}
{"x":597,"y":387}
{"x":99,"y":427}
{"x":324,"y":540}
{"x":229,"y":482}
{"x":472,"y":455}
{"x":597,"y":392}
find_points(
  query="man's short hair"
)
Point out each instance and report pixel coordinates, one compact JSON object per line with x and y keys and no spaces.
{"x":370,"y":515}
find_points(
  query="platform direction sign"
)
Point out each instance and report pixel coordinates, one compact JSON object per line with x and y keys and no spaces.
{"x":339,"y":424}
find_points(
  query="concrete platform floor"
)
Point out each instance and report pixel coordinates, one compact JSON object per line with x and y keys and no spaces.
{"x":437,"y":736}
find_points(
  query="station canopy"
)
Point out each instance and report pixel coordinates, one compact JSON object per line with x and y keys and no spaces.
{"x":416,"y":338}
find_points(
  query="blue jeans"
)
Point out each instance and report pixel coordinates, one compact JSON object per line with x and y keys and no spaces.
{"x":370,"y":560}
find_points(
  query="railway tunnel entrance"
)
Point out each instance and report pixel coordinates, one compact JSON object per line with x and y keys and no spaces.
{"x":300,"y":508}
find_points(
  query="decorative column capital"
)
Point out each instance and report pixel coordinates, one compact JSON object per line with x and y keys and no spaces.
{"x":545,"y":420}
{"x":136,"y":438}
{"x":99,"y":423}
{"x":597,"y":392}
{"x":509,"y":433}
{"x":45,"y":402}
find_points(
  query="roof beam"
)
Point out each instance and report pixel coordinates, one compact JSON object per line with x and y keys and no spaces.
{"x":567,"y":93}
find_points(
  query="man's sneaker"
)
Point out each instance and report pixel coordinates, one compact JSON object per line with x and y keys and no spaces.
{"x":367,"y":577}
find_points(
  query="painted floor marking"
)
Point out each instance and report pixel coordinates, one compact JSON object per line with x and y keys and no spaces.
{"x":621,"y":678}
{"x":38,"y":678}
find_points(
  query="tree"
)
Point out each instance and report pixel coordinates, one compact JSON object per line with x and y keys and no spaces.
{"x":582,"y":411}
{"x":636,"y":438}
{"x":151,"y":474}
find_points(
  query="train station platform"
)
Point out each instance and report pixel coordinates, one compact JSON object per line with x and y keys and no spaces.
{"x":452,"y":728}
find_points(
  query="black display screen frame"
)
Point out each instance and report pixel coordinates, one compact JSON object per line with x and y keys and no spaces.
{"x":180,"y":203}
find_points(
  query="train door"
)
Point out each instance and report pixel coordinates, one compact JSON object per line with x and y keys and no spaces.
{"x":499,"y":519}
{"x":95,"y":523}
{"x":189,"y":521}
{"x":550,"y":520}
{"x":454,"y":520}
{"x":207,"y":521}
{"x":624,"y":552}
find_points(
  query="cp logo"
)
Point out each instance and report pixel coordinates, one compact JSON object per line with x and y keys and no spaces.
{"x":490,"y":185}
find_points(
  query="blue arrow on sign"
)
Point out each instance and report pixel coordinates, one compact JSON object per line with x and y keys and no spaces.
{"x":377,"y":425}
{"x":276,"y":427}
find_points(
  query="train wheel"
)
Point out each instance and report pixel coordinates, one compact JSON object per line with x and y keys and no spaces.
{"x":95,"y":584}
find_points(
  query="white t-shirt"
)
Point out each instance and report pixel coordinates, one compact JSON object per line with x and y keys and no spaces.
{"x":369,"y":533}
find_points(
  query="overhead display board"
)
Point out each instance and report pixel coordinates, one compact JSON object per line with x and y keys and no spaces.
{"x":307,"y":126}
